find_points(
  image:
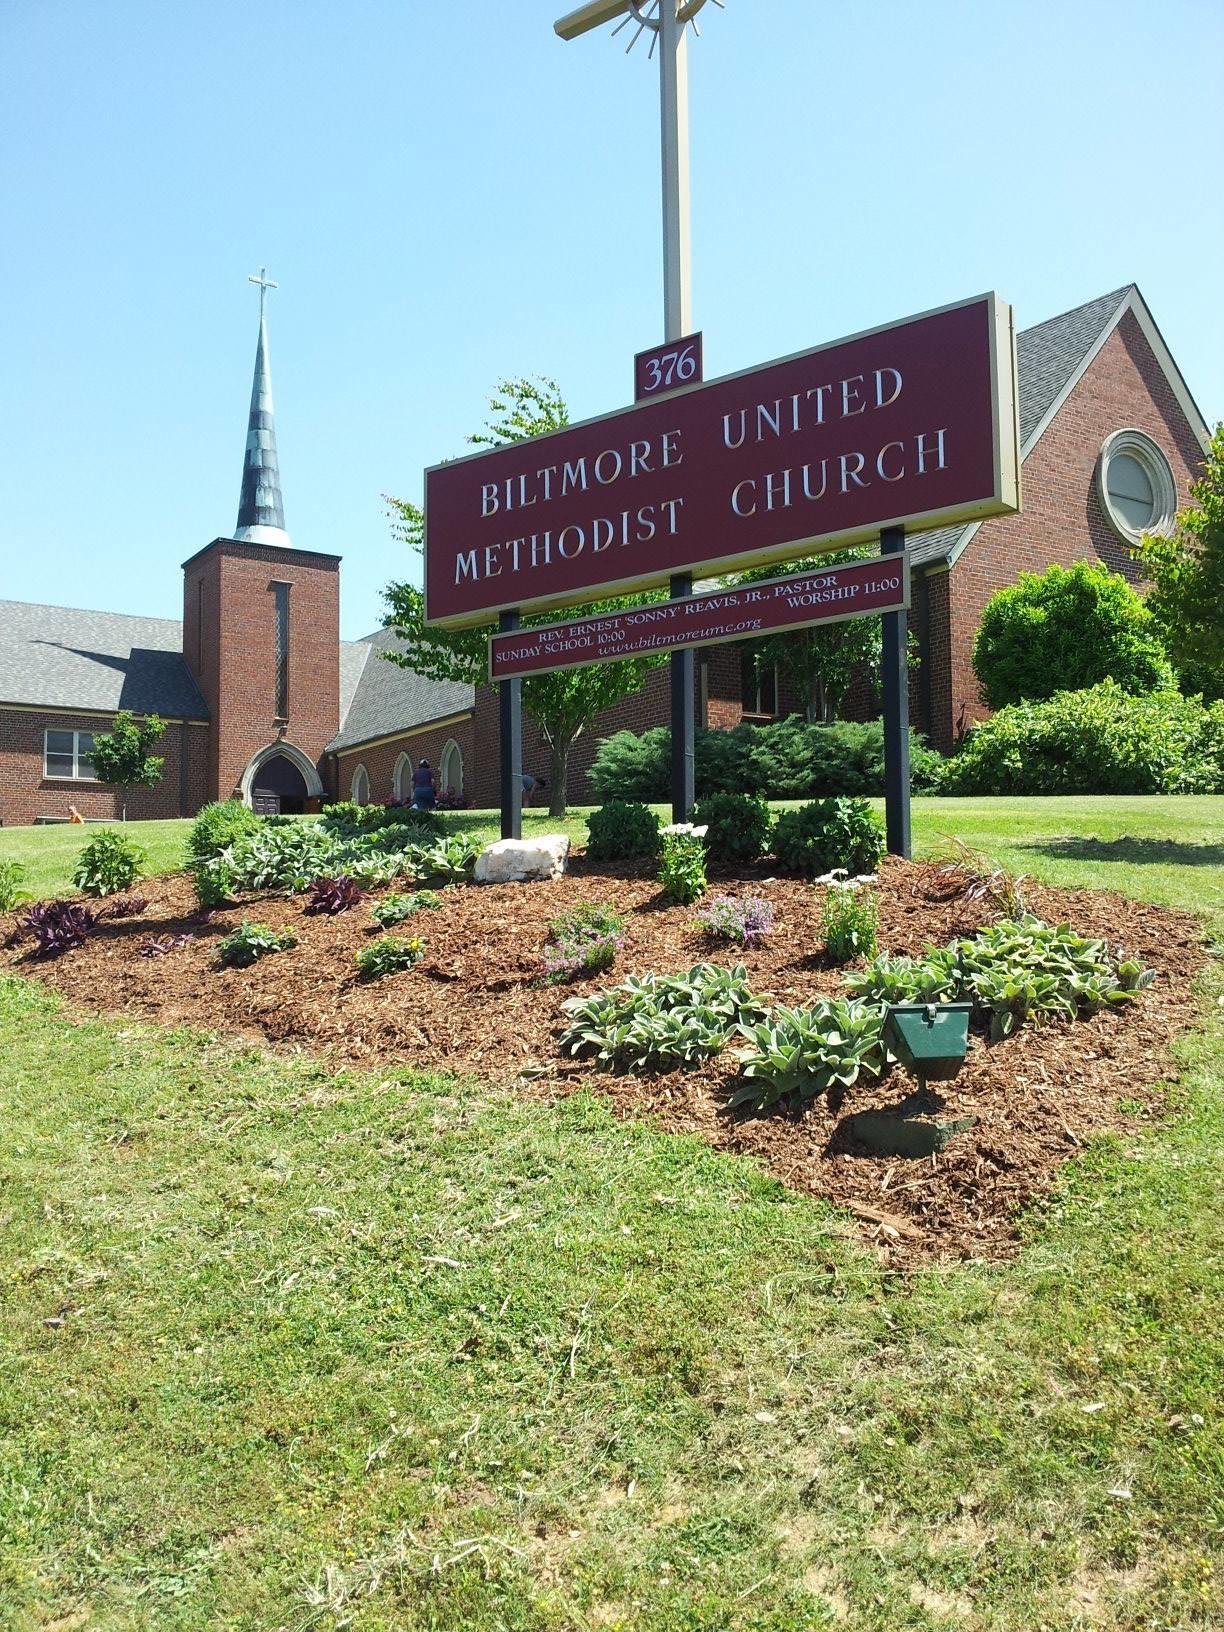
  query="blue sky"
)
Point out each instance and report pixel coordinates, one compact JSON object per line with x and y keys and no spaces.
{"x":447,"y":193}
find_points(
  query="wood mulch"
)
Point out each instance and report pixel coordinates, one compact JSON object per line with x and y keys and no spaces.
{"x":476,"y":1004}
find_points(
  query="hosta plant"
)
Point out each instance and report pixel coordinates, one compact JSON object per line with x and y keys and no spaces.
{"x":452,"y":857}
{"x":250,"y":942}
{"x":394,"y":908}
{"x":388,"y":955}
{"x":333,"y":895}
{"x":58,"y":926}
{"x":809,"y":1050}
{"x":108,"y":863}
{"x":744,"y":919}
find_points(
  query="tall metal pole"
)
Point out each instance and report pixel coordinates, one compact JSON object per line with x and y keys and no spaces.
{"x":894,"y":664}
{"x":510,"y":742}
{"x":677,"y":315}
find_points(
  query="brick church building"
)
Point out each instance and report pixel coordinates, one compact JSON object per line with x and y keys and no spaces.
{"x":263,"y":700}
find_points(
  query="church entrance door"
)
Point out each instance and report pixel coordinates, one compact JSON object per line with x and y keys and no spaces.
{"x":280,"y":788}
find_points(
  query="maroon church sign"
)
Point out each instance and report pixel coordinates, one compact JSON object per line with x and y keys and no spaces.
{"x":912,"y":424}
{"x":744,"y":612}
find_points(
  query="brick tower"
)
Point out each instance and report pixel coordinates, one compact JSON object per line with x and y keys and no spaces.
{"x":261,"y":632}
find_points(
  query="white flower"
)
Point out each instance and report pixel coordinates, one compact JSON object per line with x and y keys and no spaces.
{"x":685,"y":827}
{"x":834,"y":877}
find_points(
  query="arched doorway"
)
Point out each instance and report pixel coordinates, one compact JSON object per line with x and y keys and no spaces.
{"x":450,"y":770}
{"x":281,"y":779}
{"x":279,"y":788}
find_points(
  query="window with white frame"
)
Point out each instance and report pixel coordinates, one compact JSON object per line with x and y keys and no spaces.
{"x":1136,"y":485}
{"x":361,"y":786}
{"x":68,"y":756}
{"x":758,"y":685}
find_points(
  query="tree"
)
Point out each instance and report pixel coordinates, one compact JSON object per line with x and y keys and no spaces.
{"x":1066,"y":629}
{"x":1187,"y":573}
{"x":562,"y":703}
{"x":820,"y":662}
{"x":121,"y":757}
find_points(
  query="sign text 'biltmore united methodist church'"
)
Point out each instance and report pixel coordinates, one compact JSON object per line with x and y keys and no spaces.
{"x":913,"y":424}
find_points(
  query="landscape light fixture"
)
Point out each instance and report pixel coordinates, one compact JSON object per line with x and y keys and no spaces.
{"x":931,"y":1040}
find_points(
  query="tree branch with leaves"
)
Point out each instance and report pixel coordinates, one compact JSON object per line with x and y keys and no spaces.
{"x":562,"y":703}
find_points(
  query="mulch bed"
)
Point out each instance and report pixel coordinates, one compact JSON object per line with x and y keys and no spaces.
{"x":476,"y":1004}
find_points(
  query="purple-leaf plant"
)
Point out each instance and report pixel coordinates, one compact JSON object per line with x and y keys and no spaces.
{"x":334,"y":895}
{"x":58,"y":926}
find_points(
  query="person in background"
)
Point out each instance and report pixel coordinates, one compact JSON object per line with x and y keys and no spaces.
{"x":424,"y":794}
{"x":74,"y":815}
{"x":531,"y":784}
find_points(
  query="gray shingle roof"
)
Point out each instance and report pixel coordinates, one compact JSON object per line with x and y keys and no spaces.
{"x":385,"y":697}
{"x":1047,"y":357}
{"x":64,"y":658}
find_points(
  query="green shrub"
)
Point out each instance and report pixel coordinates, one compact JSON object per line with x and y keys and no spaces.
{"x":829,"y":834}
{"x":1067,"y":629}
{"x":620,"y":830}
{"x":393,"y":908}
{"x":682,"y":870}
{"x":249,"y":942}
{"x":347,"y":818}
{"x":108,"y":863}
{"x":218,"y":826}
{"x":790,"y":759}
{"x":851,"y":919}
{"x":215,"y":883}
{"x":388,"y":955}
{"x":1102,"y":740}
{"x":737,"y":826}
{"x":12,"y":876}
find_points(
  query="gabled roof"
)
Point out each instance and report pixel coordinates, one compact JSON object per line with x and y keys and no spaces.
{"x":63,"y":658}
{"x":1051,"y":358}
{"x":384,"y":698}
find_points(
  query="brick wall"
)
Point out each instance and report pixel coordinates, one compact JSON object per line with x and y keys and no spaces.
{"x":229,"y":641}
{"x":380,"y":760}
{"x":26,"y":794}
{"x":1061,"y":520}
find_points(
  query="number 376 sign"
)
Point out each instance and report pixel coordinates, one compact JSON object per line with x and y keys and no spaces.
{"x":663,"y":368}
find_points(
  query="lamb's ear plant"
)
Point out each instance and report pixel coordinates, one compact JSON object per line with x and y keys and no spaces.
{"x":808,"y":1051}
{"x":659,"y":1022}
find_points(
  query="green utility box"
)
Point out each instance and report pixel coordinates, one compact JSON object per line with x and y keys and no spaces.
{"x":929,"y":1039}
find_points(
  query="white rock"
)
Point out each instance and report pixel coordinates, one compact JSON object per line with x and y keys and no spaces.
{"x":521,"y":861}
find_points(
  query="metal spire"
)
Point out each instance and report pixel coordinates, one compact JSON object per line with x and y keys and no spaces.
{"x":261,"y":513}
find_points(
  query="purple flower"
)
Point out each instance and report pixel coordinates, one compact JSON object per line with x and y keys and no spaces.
{"x":733,"y":918}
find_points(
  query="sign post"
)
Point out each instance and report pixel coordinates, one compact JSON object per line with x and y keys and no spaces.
{"x":510,"y":741}
{"x":894,"y":664}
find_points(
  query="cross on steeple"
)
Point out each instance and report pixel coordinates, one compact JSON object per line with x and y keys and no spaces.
{"x":265,"y":283}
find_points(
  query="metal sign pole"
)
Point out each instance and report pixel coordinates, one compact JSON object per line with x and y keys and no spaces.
{"x":510,"y":742}
{"x":677,"y":243}
{"x":894,"y":662}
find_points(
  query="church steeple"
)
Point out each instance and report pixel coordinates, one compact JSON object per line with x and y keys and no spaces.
{"x":261,"y":513}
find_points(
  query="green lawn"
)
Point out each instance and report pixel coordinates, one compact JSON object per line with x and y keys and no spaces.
{"x":281,"y":1349}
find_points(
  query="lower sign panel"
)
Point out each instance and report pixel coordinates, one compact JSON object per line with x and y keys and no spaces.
{"x":854,"y":590}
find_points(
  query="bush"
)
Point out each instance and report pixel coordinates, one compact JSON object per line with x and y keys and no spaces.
{"x":737,"y":826}
{"x":218,"y":826}
{"x":583,"y":942}
{"x":1097,"y":741}
{"x":58,"y":926}
{"x":787,"y":760}
{"x":12,"y":876}
{"x":621,"y":830}
{"x":851,"y":919}
{"x":215,"y":883}
{"x":249,"y":942}
{"x":388,"y":955}
{"x":1067,"y":629}
{"x":108,"y":863}
{"x":741,"y":919}
{"x":829,"y":834}
{"x":348,"y":818}
{"x":682,"y":871}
